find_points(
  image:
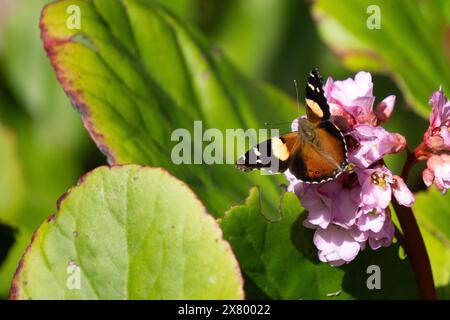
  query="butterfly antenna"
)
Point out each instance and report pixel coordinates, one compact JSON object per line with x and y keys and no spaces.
{"x":296,"y":91}
{"x":270,"y":124}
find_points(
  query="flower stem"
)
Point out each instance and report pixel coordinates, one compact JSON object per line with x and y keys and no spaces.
{"x":416,"y":251}
{"x":413,"y":241}
{"x":411,"y":160}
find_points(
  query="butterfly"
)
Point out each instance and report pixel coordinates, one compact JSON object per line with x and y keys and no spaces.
{"x":315,"y":153}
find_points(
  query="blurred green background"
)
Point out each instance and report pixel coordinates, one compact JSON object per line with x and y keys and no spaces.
{"x":44,"y":147}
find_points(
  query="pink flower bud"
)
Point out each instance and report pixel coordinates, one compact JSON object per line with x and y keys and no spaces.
{"x":384,"y":109}
{"x":437,"y":137}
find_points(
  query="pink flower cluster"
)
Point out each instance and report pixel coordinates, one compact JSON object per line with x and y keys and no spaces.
{"x":354,"y":209}
{"x":435,"y":148}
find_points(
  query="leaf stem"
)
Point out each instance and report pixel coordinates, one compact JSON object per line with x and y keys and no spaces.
{"x":413,"y":241}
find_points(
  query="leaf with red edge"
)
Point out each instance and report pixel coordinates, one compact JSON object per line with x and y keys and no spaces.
{"x":128,"y":232}
{"x":136,"y":73}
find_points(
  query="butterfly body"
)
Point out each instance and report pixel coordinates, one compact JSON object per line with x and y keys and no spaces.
{"x":306,"y":130}
{"x":315,"y":153}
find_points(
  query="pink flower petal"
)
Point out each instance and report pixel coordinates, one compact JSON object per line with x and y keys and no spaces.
{"x":376,"y":190}
{"x":344,"y":208}
{"x":373,"y":144}
{"x":401,"y":192}
{"x":384,"y":237}
{"x":372,"y":220}
{"x":445,"y":134}
{"x":437,"y":137}
{"x":384,"y":109}
{"x":428,"y":177}
{"x":335,"y":245}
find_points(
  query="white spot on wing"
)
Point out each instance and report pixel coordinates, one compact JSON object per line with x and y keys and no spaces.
{"x":279,"y":149}
{"x":314,"y":107}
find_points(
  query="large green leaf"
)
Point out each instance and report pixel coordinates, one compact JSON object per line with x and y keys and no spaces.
{"x":281,"y":260}
{"x":432,"y":211}
{"x":411,"y":45}
{"x":130,"y":232}
{"x":136,"y":73}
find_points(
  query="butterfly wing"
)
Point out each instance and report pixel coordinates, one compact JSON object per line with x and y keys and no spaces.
{"x":317,"y":109}
{"x":273,"y":154}
{"x":322,"y":159}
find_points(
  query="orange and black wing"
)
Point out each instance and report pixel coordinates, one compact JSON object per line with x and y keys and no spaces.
{"x":322,"y":160}
{"x":317,"y":108}
{"x":273,"y":155}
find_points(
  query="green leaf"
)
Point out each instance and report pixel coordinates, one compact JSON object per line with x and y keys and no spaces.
{"x":11,"y":179}
{"x":136,"y":73}
{"x":412,"y":37}
{"x":129,"y":232}
{"x":432,"y":211}
{"x":281,"y":260}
